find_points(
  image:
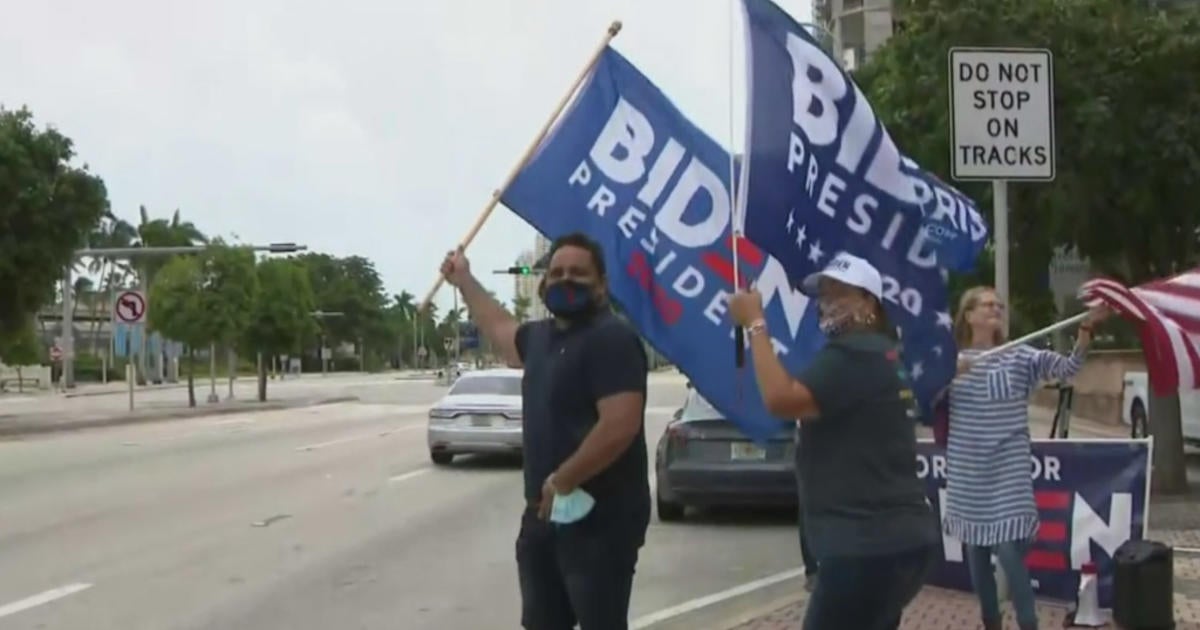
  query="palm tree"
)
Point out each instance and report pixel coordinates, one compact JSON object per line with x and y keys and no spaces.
{"x":172,"y":232}
{"x":112,"y":232}
{"x":521,"y":305}
{"x":403,"y":310}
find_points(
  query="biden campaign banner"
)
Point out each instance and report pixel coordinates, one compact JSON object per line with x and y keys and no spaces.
{"x":1092,"y":496}
{"x":624,"y":166}
{"x":822,"y":176}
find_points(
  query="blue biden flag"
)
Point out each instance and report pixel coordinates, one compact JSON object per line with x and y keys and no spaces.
{"x":822,"y":176}
{"x":624,"y":166}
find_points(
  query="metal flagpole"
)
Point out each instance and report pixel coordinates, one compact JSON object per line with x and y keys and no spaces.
{"x":735,"y":230}
{"x":1070,"y":321}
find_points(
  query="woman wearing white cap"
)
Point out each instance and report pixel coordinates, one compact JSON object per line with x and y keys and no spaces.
{"x":866,"y":516}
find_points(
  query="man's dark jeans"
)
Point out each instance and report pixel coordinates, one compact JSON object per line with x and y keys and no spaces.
{"x":867,"y":593}
{"x":574,"y":574}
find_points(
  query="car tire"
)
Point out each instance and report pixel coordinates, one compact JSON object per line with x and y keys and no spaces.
{"x":441,"y":458}
{"x":1139,"y":424}
{"x":668,"y":512}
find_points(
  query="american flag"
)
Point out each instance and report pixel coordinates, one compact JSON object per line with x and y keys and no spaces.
{"x":1167,"y":313}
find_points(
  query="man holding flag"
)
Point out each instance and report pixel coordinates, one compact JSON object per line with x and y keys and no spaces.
{"x":583,"y":399}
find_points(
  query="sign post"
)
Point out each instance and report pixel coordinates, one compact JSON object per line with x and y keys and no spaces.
{"x":129,"y":312}
{"x":1068,"y":271}
{"x":1001,"y":127}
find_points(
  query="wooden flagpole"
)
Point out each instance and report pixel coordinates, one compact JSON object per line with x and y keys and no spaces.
{"x":612,"y":32}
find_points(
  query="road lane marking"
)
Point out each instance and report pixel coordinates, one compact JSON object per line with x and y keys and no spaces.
{"x":352,"y":438}
{"x":660,"y":616}
{"x":42,"y":598}
{"x":355,"y":438}
{"x":408,"y":475}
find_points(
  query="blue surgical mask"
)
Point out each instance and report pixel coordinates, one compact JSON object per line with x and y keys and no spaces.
{"x":569,"y":299}
{"x":571,"y":507}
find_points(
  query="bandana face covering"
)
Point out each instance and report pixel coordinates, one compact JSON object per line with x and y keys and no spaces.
{"x":569,"y":299}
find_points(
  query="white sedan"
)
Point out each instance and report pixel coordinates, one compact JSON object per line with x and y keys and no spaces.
{"x":480,"y":414}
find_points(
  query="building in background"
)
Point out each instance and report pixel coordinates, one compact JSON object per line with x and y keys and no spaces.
{"x":541,"y":247}
{"x":525,"y":287}
{"x":859,"y":27}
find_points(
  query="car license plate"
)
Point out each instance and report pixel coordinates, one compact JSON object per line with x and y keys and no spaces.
{"x":481,"y":421}
{"x":746,"y":451}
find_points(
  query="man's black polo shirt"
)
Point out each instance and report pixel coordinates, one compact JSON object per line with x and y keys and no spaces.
{"x":567,"y":370}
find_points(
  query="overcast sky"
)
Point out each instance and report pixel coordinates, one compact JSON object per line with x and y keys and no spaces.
{"x":369,"y":127}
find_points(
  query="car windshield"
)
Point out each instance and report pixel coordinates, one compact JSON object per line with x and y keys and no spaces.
{"x":697,"y":408}
{"x":497,"y":385}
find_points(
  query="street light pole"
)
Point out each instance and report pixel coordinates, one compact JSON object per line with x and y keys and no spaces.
{"x":321,"y":315}
{"x":68,"y":324}
{"x":457,"y":331}
{"x":68,"y":339}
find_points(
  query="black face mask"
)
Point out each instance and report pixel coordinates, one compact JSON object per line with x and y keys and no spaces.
{"x":569,"y":299}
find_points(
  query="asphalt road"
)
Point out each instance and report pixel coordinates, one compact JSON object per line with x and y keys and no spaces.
{"x":318,"y":518}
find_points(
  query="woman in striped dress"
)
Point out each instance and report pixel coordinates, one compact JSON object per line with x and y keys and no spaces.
{"x":989,"y":489}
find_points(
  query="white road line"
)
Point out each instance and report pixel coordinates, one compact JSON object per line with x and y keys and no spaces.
{"x":352,"y":438}
{"x":646,"y":621}
{"x":408,"y":475}
{"x":234,"y":421}
{"x":42,"y":598}
{"x":355,"y":438}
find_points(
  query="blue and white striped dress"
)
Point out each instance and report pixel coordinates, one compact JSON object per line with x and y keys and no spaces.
{"x":989,"y":490}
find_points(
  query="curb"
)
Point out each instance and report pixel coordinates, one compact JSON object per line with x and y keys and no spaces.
{"x":151,"y":388}
{"x":33,"y":428}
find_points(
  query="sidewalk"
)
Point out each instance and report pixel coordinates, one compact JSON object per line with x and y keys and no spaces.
{"x":1173,"y":520}
{"x":941,"y":609}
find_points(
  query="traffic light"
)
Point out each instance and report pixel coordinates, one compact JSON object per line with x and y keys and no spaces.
{"x":523,"y":270}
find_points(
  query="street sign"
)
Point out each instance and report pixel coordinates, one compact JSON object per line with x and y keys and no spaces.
{"x":1002,"y":114}
{"x":130,"y":307}
{"x":448,"y":343}
{"x":56,"y":353}
{"x":1068,"y":270}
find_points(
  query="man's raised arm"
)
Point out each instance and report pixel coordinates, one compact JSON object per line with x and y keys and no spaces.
{"x":493,"y":321}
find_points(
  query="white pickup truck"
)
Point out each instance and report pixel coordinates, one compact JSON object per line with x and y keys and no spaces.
{"x":1136,"y":407}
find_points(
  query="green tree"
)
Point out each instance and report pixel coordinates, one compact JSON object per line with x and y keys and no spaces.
{"x":47,"y":208}
{"x":176,"y":310}
{"x":350,"y":286}
{"x":227,"y":296}
{"x":1127,"y":88}
{"x":21,"y":349}
{"x":282,"y":319}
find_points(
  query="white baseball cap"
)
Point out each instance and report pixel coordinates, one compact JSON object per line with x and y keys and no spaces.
{"x":847,"y":269}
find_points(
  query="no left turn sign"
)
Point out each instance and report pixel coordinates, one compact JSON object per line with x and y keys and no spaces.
{"x":130,"y":307}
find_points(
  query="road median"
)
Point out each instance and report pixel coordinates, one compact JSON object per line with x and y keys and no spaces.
{"x":15,"y":426}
